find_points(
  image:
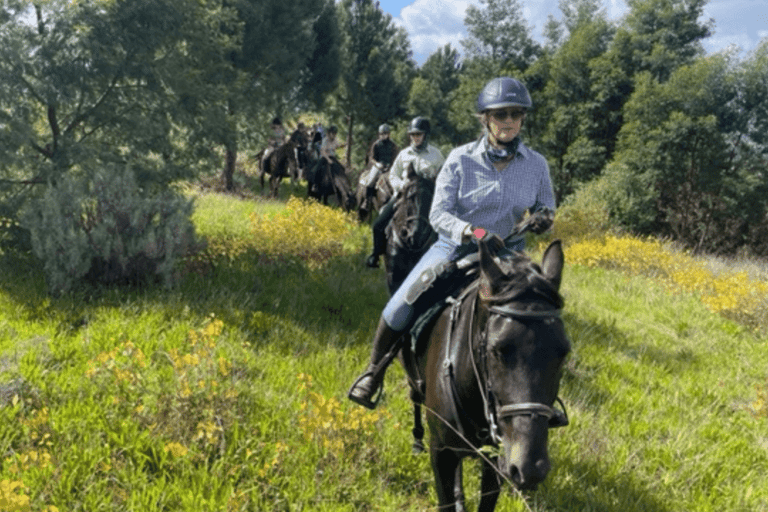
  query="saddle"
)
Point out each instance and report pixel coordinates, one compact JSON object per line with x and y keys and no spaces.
{"x":437,"y":294}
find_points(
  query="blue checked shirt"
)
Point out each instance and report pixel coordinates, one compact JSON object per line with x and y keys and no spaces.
{"x":469,"y":191}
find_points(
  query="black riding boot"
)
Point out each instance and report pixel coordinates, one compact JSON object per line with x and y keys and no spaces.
{"x":369,"y":382}
{"x":379,"y":232}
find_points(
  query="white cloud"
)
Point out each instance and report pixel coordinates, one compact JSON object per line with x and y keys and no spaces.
{"x":431,"y":24}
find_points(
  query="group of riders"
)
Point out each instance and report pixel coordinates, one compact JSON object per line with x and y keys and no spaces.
{"x":483,"y":188}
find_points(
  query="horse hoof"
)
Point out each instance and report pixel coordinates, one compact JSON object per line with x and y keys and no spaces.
{"x":417,"y":448}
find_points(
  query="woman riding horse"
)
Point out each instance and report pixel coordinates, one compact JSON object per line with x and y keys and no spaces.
{"x":426,"y":160}
{"x":484,"y":186}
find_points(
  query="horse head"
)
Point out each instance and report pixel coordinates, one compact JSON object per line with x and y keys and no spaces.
{"x":526,"y":345}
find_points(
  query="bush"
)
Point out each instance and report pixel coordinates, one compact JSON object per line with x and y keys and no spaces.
{"x":108,"y":230}
{"x":584,"y":214}
{"x":306,"y":230}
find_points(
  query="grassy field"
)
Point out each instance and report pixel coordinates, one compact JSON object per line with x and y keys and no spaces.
{"x":227,"y":393}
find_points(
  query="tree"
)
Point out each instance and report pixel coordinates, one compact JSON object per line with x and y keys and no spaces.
{"x":499,"y":33}
{"x":100,"y":82}
{"x":674,"y":142}
{"x":431,"y":89}
{"x":376,"y":70}
{"x":569,"y":135}
{"x":278,"y":63}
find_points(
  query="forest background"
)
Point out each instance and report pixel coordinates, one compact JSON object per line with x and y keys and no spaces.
{"x":642,"y":130}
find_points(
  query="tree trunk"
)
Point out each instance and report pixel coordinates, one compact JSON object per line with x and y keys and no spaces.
{"x":229,"y":168}
{"x":350,"y":119}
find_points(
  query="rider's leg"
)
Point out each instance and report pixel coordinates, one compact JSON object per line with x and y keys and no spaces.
{"x":396,"y":320}
{"x":378,"y":230}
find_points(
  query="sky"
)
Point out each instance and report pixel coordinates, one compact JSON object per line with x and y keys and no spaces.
{"x":432,"y":24}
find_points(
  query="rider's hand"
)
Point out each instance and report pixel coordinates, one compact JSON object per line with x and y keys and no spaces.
{"x":541,"y":224}
{"x":541,"y":221}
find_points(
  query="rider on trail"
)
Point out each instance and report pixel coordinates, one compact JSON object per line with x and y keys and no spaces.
{"x":383,"y":153}
{"x":485,"y":186}
{"x":426,"y":160}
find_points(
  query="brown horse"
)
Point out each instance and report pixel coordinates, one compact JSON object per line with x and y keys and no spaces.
{"x":281,"y":161}
{"x":488,"y":373}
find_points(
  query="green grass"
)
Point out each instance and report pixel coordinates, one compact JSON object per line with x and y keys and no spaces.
{"x":659,"y":390}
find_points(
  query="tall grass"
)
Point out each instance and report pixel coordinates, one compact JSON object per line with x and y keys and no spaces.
{"x":228,"y":392}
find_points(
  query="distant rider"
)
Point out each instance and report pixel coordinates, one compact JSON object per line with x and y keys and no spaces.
{"x":383,"y":153}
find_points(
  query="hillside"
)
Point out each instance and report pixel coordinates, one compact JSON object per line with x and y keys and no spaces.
{"x":228,"y":391}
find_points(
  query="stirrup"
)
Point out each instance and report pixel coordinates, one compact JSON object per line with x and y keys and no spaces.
{"x":370,"y":404}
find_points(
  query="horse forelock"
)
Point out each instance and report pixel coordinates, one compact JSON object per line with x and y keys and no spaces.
{"x":523,"y":281}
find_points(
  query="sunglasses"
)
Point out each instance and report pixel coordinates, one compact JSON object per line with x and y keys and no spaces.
{"x":502,"y":115}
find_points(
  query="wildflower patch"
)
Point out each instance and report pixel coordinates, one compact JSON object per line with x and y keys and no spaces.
{"x":733,"y":295}
{"x":306,"y":230}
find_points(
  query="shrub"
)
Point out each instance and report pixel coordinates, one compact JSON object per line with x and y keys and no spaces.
{"x":307,"y":230}
{"x":584,"y":214}
{"x":108,"y":230}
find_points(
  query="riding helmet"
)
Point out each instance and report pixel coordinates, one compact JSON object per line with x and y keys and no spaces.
{"x":384,"y":128}
{"x":503,"y":92}
{"x":419,"y":125}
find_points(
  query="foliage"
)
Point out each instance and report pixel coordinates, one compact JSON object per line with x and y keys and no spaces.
{"x":306,"y":229}
{"x":376,"y":71}
{"x":570,"y":134}
{"x":498,"y":32}
{"x":108,"y":230}
{"x":672,"y":141}
{"x":100,"y":82}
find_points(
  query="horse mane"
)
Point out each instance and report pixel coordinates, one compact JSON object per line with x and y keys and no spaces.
{"x":523,"y":281}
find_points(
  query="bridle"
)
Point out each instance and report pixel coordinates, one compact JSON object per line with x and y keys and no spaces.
{"x":493,"y":412}
{"x":555,"y":417}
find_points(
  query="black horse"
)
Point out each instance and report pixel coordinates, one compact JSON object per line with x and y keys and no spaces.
{"x":283,"y":161}
{"x":488,"y":373}
{"x":325,"y":180}
{"x":409,"y":233}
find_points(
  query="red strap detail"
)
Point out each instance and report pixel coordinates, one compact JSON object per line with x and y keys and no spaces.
{"x":478,"y":233}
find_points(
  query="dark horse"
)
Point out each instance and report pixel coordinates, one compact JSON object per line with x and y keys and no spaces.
{"x":488,"y":373}
{"x":283,"y":160}
{"x":326,"y":180}
{"x":409,"y":233}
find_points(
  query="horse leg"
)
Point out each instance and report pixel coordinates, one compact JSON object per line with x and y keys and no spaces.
{"x":458,"y":488}
{"x":446,"y":465}
{"x":418,"y":431}
{"x":490,"y":487}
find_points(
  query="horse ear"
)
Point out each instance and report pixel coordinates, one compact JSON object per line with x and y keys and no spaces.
{"x":411,"y":172}
{"x":552,"y":263}
{"x":490,"y":271}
